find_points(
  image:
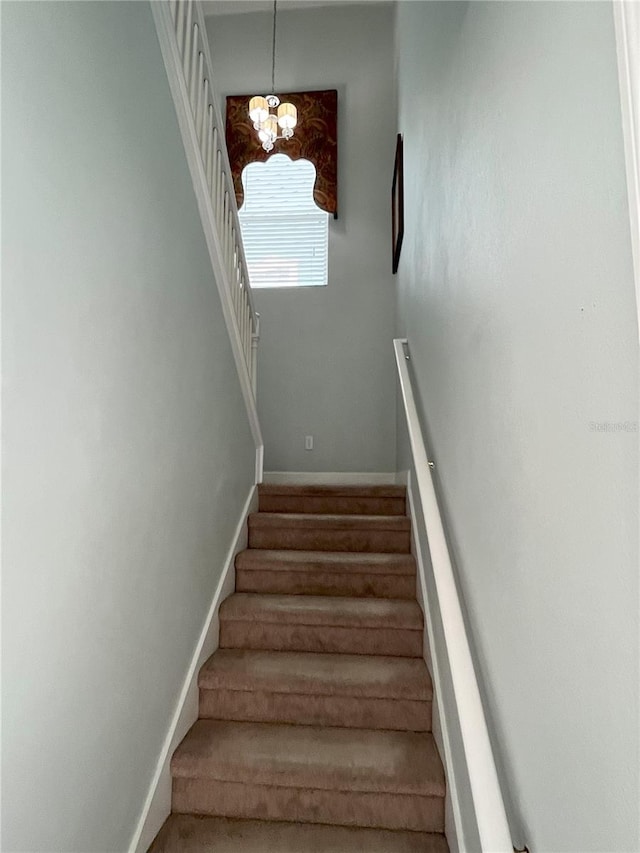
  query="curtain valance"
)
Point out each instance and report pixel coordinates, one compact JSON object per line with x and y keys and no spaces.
{"x":315,"y":139}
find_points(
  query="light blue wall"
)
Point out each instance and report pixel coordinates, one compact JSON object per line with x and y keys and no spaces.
{"x":516,"y":293}
{"x":127,"y":455}
{"x":326,"y":358}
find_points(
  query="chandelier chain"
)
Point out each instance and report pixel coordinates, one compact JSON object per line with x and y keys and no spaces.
{"x":273,"y":50}
{"x":272,"y":126}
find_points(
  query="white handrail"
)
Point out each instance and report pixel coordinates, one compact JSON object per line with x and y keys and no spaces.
{"x":183,"y":40}
{"x":493,"y":827}
{"x":626,"y":16}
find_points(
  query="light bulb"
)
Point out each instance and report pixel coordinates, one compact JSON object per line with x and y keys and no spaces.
{"x":287,"y":115}
{"x":271,"y":127}
{"x":258,"y":109}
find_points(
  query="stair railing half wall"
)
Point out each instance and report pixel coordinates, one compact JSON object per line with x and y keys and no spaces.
{"x":491,"y":817}
{"x":183,"y":40}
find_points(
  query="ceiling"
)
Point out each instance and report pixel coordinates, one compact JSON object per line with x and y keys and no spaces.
{"x":236,"y":7}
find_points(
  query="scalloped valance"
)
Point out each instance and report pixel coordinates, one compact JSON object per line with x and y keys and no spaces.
{"x":315,"y":139}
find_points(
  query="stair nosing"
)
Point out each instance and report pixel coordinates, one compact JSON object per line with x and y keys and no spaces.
{"x":348,"y":563}
{"x":173,"y":828}
{"x":344,"y":490}
{"x":330,"y":521}
{"x":328,"y":556}
{"x":337,"y":574}
{"x":317,"y":695}
{"x":208,"y":767}
{"x":413,"y":620}
{"x":416,"y":687}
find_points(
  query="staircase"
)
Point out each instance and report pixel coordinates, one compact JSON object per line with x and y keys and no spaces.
{"x":315,"y":712}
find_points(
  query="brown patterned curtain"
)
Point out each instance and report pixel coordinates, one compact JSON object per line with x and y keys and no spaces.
{"x":315,"y":139}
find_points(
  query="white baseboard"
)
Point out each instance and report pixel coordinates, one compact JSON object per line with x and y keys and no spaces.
{"x":329,"y":478}
{"x":157,"y":806}
{"x":454,"y":828}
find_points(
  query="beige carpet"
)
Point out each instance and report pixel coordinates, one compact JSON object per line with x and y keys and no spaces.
{"x":315,"y":729}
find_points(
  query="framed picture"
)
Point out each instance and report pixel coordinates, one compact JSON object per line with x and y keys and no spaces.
{"x":397,"y":206}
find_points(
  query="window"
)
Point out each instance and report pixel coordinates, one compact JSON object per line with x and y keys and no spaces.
{"x":285,"y":233}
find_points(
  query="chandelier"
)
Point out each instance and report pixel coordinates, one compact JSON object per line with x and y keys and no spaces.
{"x":285,"y":115}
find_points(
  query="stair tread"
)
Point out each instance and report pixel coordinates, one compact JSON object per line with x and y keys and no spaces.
{"x":259,"y":559}
{"x":311,"y":757}
{"x":190,"y":834}
{"x":314,"y":673}
{"x":334,"y":611}
{"x":363,"y":491}
{"x":329,"y":521}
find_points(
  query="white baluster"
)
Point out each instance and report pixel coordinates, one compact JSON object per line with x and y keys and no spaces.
{"x":191,"y":78}
{"x":214,"y":155}
{"x":242,"y":321}
{"x":233,"y":290}
{"x":240,"y":291}
{"x":199,"y":107}
{"x":236,"y":260}
{"x":203,"y":129}
{"x":254,"y":359}
{"x":220,"y":182}
{"x":232,"y":246}
{"x":227,"y":230}
{"x":186,"y":56}
{"x":237,"y":302}
{"x":209,"y":149}
{"x":242,"y":287}
{"x":247,"y":345}
{"x":223,"y":209}
{"x":225,"y":233}
{"x":214,"y":189}
{"x":229,"y":237}
{"x":180,"y":27}
{"x":243,"y":326}
{"x":243,"y":333}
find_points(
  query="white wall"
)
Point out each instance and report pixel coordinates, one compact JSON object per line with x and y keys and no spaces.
{"x":127,"y":453}
{"x":517,"y":296}
{"x":326,"y":358}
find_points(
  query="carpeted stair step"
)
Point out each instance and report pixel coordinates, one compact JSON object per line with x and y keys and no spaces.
{"x":306,"y":532}
{"x":333,"y":500}
{"x":316,"y":623}
{"x":310,"y":774}
{"x":326,"y":573}
{"x":302,"y":688}
{"x":191,"y":834}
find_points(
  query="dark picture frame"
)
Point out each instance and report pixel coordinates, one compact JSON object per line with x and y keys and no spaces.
{"x":397,"y":206}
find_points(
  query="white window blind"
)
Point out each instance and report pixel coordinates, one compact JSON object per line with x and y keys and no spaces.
{"x":285,"y":233}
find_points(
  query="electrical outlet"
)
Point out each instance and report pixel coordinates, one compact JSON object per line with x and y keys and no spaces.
{"x":308,"y":442}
